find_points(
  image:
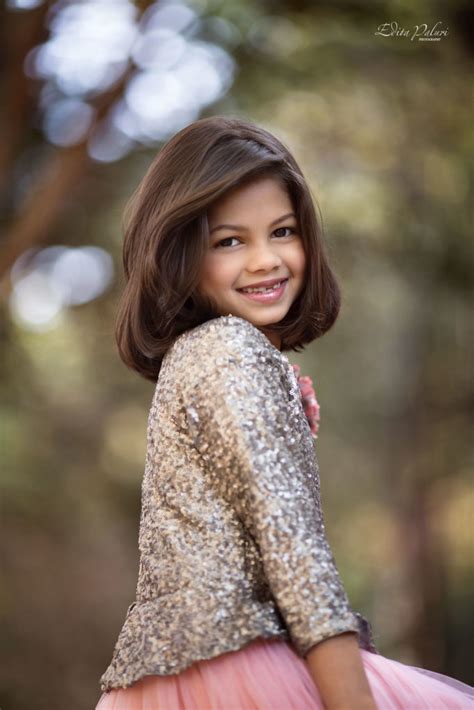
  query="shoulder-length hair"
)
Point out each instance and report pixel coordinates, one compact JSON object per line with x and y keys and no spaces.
{"x":167,"y":234}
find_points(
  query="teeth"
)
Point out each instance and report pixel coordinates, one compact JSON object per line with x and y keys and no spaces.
{"x":262,"y":289}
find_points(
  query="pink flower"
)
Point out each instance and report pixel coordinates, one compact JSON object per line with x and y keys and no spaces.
{"x":310,"y":403}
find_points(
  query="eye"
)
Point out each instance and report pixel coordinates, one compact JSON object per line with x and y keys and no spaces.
{"x":292,"y":230}
{"x":221,"y":242}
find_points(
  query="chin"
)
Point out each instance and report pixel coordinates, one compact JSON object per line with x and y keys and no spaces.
{"x":267,"y":319}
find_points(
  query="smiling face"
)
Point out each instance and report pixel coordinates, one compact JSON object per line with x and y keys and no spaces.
{"x":260,"y":242}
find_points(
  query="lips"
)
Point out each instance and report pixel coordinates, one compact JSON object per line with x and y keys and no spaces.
{"x":264,"y":284}
{"x":265,"y":295}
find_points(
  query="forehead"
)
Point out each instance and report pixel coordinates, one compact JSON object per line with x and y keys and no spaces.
{"x":261,"y":195}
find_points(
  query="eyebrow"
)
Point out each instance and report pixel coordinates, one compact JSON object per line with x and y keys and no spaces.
{"x":243,"y":228}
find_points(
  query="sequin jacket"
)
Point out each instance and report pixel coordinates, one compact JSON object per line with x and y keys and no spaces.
{"x":232,"y":540}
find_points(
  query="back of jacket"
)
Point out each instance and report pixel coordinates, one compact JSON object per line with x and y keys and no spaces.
{"x":232,"y":540}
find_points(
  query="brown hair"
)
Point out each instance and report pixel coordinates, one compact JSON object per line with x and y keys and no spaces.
{"x":167,"y":234}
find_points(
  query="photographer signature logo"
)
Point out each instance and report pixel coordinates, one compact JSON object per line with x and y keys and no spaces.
{"x":422,"y":33}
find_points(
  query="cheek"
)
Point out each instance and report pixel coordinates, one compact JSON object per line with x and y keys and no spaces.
{"x":298,"y":259}
{"x":217,"y":273}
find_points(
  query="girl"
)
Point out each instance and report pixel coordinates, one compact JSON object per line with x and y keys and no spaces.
{"x":239,"y":603}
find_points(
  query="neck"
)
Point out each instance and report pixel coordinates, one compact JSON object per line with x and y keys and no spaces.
{"x":273,"y":337}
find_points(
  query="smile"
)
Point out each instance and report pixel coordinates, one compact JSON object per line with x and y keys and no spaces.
{"x":265,"y":295}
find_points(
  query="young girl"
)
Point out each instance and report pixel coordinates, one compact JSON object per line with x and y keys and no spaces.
{"x":239,"y":603}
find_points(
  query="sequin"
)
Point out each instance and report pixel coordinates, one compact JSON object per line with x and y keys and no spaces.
{"x":232,"y":540}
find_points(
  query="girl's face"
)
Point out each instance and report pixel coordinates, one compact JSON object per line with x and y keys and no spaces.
{"x":254,"y":237}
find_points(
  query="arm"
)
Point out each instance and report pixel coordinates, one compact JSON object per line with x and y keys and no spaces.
{"x":336,"y":667}
{"x":247,"y":421}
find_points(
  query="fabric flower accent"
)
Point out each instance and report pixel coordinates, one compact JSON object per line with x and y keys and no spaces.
{"x":310,"y":403}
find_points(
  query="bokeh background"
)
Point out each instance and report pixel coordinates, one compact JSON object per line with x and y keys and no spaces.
{"x":382,"y":127}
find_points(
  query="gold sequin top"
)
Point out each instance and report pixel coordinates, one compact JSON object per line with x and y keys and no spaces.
{"x":232,"y":540}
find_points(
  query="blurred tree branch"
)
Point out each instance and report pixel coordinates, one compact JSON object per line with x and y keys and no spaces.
{"x":21,"y":32}
{"x":43,"y":205}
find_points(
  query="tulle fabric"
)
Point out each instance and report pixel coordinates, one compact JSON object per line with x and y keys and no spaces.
{"x":268,"y":674}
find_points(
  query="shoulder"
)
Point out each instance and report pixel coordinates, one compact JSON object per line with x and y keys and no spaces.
{"x":220,"y":341}
{"x":226,"y":334}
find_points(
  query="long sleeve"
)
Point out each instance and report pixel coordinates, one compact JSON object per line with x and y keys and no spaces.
{"x":247,"y":422}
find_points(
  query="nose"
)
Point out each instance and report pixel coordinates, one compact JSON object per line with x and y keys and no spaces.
{"x":263,"y":258}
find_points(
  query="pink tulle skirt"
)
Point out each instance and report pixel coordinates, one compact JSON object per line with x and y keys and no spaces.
{"x":268,"y":674}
